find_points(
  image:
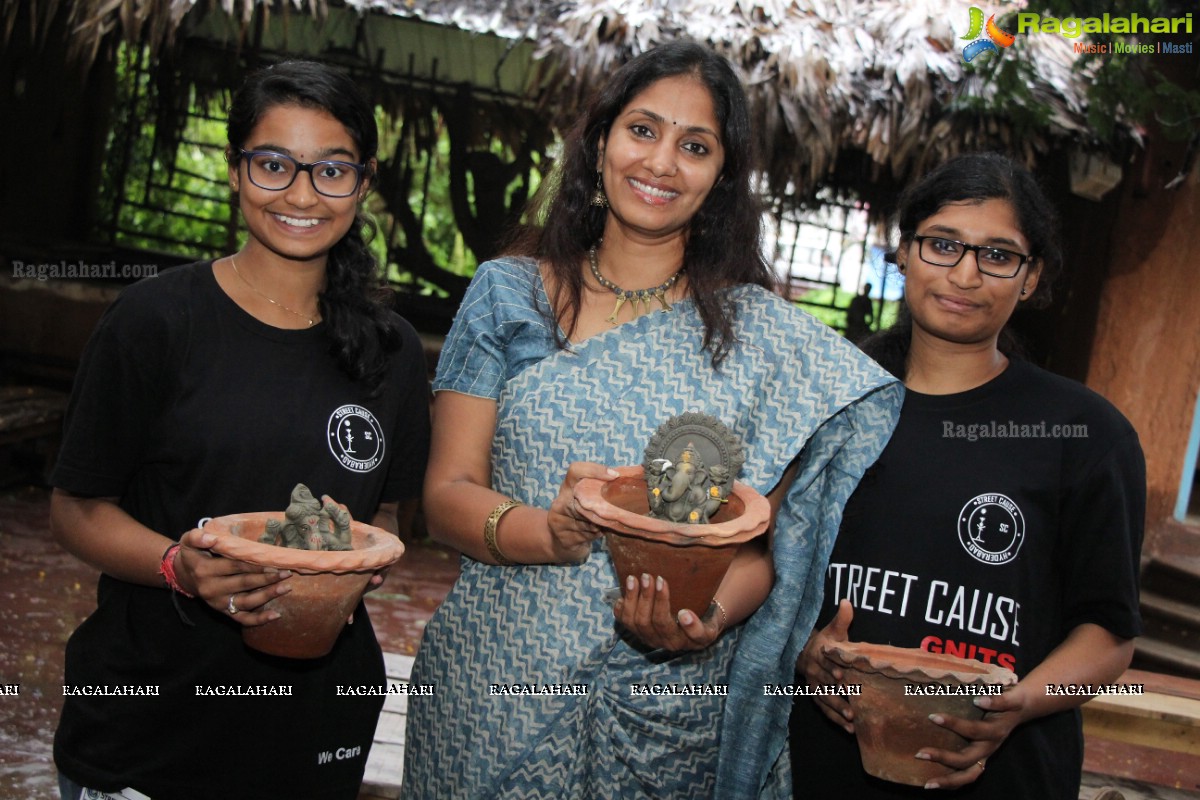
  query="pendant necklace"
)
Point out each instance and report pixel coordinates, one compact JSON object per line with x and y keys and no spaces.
{"x":643,"y":296}
{"x":254,"y":289}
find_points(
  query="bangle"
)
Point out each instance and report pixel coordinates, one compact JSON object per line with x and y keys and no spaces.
{"x":724,"y":616}
{"x":166,"y":568}
{"x":489,"y":531}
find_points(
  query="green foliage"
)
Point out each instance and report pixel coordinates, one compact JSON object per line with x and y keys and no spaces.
{"x":1121,"y":87}
{"x":167,"y":191}
{"x":816,"y":302}
{"x":1012,"y":80}
{"x":155,"y":193}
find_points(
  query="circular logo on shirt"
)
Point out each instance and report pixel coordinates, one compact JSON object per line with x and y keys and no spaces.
{"x":355,"y":438}
{"x":991,"y":528}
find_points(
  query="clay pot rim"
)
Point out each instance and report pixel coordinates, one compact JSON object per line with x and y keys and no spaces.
{"x":382,"y":548}
{"x":753,"y":521}
{"x":887,"y":660}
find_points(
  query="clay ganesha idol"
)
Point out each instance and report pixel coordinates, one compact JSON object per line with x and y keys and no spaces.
{"x":680,"y":514}
{"x":689,"y":466}
{"x":310,"y":524}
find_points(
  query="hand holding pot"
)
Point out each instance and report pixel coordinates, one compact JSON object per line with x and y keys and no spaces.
{"x":234,"y":588}
{"x":1002,"y":714}
{"x":818,"y":670}
{"x":571,"y":533}
{"x":645,"y":609}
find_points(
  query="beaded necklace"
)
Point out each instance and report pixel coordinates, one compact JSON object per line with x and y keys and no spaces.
{"x":643,"y":296}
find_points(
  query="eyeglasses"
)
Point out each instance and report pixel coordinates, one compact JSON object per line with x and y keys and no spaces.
{"x":276,"y":172}
{"x":994,"y":261}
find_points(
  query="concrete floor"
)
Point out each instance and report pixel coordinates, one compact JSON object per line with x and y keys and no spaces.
{"x":45,"y":593}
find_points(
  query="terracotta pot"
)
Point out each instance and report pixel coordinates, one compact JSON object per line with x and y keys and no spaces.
{"x":891,"y":726}
{"x":692,"y":559}
{"x":326,"y":586}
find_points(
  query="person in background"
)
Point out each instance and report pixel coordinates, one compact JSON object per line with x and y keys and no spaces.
{"x":1003,"y":521}
{"x":214,"y":389}
{"x":859,"y":315}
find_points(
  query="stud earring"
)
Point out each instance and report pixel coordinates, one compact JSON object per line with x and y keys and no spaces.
{"x":599,"y":198}
{"x":1024,"y":291}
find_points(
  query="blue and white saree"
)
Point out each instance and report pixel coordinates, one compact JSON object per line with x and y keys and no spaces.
{"x":789,"y":385}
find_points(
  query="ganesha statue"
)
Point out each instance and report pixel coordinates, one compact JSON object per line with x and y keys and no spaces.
{"x":689,"y":468}
{"x":310,"y":524}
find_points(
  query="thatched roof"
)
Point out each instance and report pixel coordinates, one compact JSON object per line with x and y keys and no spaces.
{"x":880,"y":84}
{"x":845,"y":92}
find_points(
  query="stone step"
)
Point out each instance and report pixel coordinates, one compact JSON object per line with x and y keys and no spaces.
{"x":1170,"y":621}
{"x":1161,"y":656}
{"x":1174,"y":570}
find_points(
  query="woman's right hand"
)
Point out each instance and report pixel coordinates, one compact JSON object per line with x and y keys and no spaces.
{"x":819,"y":671}
{"x":572,"y":534}
{"x":234,"y":588}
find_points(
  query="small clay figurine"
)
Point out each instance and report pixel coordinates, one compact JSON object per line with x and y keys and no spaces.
{"x":310,"y":524}
{"x":680,"y":483}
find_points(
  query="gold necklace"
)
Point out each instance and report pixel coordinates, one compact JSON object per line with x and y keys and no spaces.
{"x":254,"y":289}
{"x":643,"y":296}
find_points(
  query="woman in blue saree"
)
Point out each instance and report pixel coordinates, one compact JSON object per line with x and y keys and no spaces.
{"x":644,"y":294}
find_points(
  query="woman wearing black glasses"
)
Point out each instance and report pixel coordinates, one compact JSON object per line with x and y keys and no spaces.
{"x":214,"y":389}
{"x":1003,"y":521}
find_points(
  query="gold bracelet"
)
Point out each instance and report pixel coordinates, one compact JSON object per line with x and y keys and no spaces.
{"x":489,"y":531}
{"x":724,"y":616}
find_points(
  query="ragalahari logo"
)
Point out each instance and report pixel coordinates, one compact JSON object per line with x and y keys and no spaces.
{"x":996,"y":38}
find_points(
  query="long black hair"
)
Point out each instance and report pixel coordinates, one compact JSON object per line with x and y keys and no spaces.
{"x":355,"y":304}
{"x":973,"y":177}
{"x":723,"y":246}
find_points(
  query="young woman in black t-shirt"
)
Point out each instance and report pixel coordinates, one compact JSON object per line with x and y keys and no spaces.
{"x":214,"y":389}
{"x":1002,"y":522}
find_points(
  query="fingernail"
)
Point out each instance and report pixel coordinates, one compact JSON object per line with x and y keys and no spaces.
{"x":937,"y":719}
{"x":282,"y":588}
{"x":273,"y":615}
{"x":645,"y":581}
{"x":630,"y":583}
{"x":685,"y":616}
{"x":612,"y":473}
{"x":932,"y":785}
{"x":287,"y":573}
{"x":922,"y":756}
{"x":983,"y":702}
{"x":658,"y":583}
{"x":208,"y":538}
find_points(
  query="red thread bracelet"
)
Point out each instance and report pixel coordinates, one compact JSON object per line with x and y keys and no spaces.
{"x":167,"y":570}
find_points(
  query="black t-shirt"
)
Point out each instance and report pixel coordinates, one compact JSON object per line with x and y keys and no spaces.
{"x":187,"y":407}
{"x":995,"y":522}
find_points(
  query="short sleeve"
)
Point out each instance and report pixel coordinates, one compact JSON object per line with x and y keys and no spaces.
{"x":117,"y":398}
{"x":1103,"y":524}
{"x":406,"y":472}
{"x":497,"y":332}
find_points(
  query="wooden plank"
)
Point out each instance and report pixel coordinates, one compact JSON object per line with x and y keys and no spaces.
{"x":385,"y":769}
{"x":390,"y":729}
{"x":1114,"y":723}
{"x":398,"y":666}
{"x":1180,"y":711}
{"x":385,"y":764}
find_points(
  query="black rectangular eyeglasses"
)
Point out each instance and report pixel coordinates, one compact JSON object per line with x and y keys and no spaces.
{"x":994,"y":261}
{"x":276,"y":172}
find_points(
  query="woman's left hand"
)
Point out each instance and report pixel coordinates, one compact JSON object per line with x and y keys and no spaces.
{"x":645,"y":609}
{"x":1003,"y":713}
